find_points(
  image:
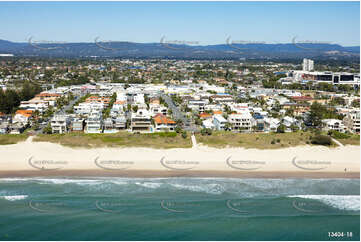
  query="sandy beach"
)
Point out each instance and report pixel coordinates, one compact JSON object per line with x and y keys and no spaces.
{"x":48,"y":159}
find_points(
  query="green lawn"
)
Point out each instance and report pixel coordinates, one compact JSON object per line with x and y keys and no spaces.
{"x":121,"y":139}
{"x":221,"y":139}
{"x":8,"y":139}
{"x":352,"y":140}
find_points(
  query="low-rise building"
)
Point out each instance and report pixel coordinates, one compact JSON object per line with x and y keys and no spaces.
{"x":60,"y":124}
{"x":208,"y":124}
{"x":241,"y":121}
{"x":17,"y":128}
{"x":94,"y":124}
{"x":120,"y":122}
{"x":163,"y":123}
{"x":219,"y":122}
{"x":109,"y":126}
{"x":271,"y":124}
{"x":77,"y":124}
{"x":23,"y":116}
{"x":333,"y":124}
{"x":352,"y":121}
{"x":141,"y":121}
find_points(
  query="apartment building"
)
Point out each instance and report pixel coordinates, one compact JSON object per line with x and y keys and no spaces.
{"x":60,"y":124}
{"x":141,"y":121}
{"x":33,"y":104}
{"x":120,"y":122}
{"x":109,"y":126}
{"x":77,"y":124}
{"x":94,"y":123}
{"x":241,"y":121}
{"x":352,"y":121}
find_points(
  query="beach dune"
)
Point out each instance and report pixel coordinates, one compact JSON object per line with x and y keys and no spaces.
{"x":48,"y":159}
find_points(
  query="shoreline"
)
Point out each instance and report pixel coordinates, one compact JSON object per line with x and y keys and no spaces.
{"x":174,"y":174}
{"x":37,"y":159}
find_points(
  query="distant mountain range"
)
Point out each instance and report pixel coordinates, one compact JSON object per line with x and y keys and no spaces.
{"x":175,"y":51}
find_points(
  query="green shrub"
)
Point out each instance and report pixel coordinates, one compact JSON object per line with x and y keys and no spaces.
{"x":321,"y":140}
{"x":338,"y":135}
{"x":184,"y":134}
{"x":281,"y":129}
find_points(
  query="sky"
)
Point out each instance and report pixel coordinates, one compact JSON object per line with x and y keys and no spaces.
{"x":189,"y":22}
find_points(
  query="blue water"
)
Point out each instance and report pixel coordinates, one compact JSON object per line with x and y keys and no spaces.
{"x":179,"y":209}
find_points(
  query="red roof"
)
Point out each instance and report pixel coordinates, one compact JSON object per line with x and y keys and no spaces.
{"x":162,"y":119}
{"x":302,"y":98}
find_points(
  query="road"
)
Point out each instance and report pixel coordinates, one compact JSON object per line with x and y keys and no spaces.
{"x":62,"y":111}
{"x":178,"y":114}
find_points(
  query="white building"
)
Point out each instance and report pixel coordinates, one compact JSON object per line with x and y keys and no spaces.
{"x":141,"y":121}
{"x":307,"y":65}
{"x":94,"y":124}
{"x":39,"y":105}
{"x":208,"y":124}
{"x":352,"y":121}
{"x":271,"y":124}
{"x":333,"y":124}
{"x":241,"y":121}
{"x":219,"y":122}
{"x":60,"y":124}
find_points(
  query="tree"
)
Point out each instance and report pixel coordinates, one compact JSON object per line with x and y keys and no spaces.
{"x":294,"y":128}
{"x":178,"y":129}
{"x":184,"y":134}
{"x":315,"y":117}
{"x":281,"y":128}
{"x":47,"y":129}
{"x":356,"y":103}
{"x":135,"y":108}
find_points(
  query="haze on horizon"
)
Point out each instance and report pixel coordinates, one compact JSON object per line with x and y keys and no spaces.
{"x":203,"y":23}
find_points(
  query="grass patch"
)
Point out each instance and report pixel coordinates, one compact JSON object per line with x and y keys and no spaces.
{"x":120,"y":139}
{"x":8,"y":139}
{"x":221,"y":139}
{"x":353,"y":139}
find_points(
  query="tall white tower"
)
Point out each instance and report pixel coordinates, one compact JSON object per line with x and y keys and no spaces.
{"x":307,"y":65}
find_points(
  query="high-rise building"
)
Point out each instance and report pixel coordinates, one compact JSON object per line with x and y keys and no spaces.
{"x":307,"y":65}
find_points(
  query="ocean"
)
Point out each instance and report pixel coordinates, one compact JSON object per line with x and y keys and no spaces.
{"x":179,"y":209}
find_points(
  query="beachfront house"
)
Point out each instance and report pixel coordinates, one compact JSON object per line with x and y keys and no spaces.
{"x":289,"y":121}
{"x":60,"y":124}
{"x":120,"y":122}
{"x":17,"y":128}
{"x":94,"y":123}
{"x":352,"y":121}
{"x":271,"y":124}
{"x":77,"y":124}
{"x":208,"y":124}
{"x":333,"y":124}
{"x":109,"y":126}
{"x":4,"y":127}
{"x":241,"y":121}
{"x":141,"y":121}
{"x":163,"y":123}
{"x":219,"y":122}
